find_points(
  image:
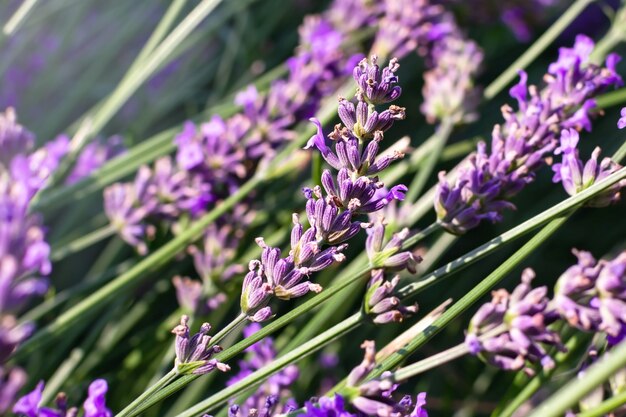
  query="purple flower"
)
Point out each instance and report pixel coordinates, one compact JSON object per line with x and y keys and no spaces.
{"x":94,"y":406}
{"x":520,"y":146}
{"x":576,"y":176}
{"x":259,"y":355}
{"x":380,"y":300}
{"x":621,"y":123}
{"x":194,"y":354}
{"x":513,"y":328}
{"x":376,"y":86}
{"x":374,"y":397}
{"x":389,"y":257}
{"x":93,"y":156}
{"x":327,"y":407}
{"x":409,"y":25}
{"x":449,"y":91}
{"x":11,"y":381}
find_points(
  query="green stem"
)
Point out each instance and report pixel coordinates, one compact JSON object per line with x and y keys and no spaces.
{"x":168,"y":251}
{"x":431,"y":362}
{"x":232,"y":326}
{"x":160,"y":55}
{"x":565,"y":398}
{"x":83,"y":242}
{"x":606,"y":406}
{"x":260,"y":375}
{"x":614,"y":37}
{"x":469,"y":299}
{"x":536,"y":49}
{"x":159,"y":385}
{"x":417,"y":185}
{"x":18,"y":17}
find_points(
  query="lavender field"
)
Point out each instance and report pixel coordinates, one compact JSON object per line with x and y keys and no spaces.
{"x":341,"y":208}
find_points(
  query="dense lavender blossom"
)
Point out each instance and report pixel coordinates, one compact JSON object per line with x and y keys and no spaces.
{"x":577,"y":176}
{"x":380,"y":300}
{"x":520,"y":146}
{"x":512,"y":329}
{"x":409,"y":25}
{"x":194,"y":354}
{"x":94,"y":406}
{"x":331,"y":218}
{"x":591,"y":295}
{"x":374,"y":397}
{"x":277,"y":386}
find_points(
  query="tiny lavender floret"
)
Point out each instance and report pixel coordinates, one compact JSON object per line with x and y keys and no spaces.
{"x":512,"y":329}
{"x":194,"y":354}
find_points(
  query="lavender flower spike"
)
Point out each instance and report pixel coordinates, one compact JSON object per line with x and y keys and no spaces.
{"x":374,"y":397}
{"x":577,"y":176}
{"x":193,"y":355}
{"x":521,"y":145}
{"x":512,"y":328}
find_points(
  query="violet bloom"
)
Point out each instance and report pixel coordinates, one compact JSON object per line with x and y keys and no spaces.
{"x":374,"y":397}
{"x":276,"y":386}
{"x":11,"y":381}
{"x":449,"y":91}
{"x":93,"y":156}
{"x":331,"y":217}
{"x":512,"y":329}
{"x":591,"y":295}
{"x":409,"y":25}
{"x":327,"y":407}
{"x":520,"y":146}
{"x":194,"y":354}
{"x":621,"y":123}
{"x":94,"y":406}
{"x":576,"y":176}
{"x":380,"y":301}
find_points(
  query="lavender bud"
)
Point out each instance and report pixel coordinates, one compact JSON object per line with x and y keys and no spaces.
{"x":513,"y":328}
{"x":193,"y":355}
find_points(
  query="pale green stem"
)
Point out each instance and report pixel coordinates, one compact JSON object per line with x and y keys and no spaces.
{"x":598,"y":373}
{"x":167,"y":378}
{"x":169,"y":250}
{"x":18,"y":17}
{"x":133,"y":81}
{"x":604,"y":408}
{"x":615,"y":36}
{"x":83,"y":242}
{"x":536,"y":49}
{"x":426,"y":167}
{"x":231,"y":327}
{"x":433,"y":361}
{"x":469,"y":299}
{"x":260,"y":375}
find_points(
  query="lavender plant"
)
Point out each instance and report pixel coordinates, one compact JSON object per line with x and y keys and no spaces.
{"x":347,"y":270}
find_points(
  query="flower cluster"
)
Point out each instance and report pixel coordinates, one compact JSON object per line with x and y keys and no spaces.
{"x":194,"y":354}
{"x":520,"y":146}
{"x":512,"y":329}
{"x":577,"y":176}
{"x":380,"y":301}
{"x":591,"y":295}
{"x":354,"y":190}
{"x":374,"y":397}
{"x":277,"y":387}
{"x":94,"y":406}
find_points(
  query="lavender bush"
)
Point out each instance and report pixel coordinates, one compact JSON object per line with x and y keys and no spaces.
{"x":301,"y":176}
